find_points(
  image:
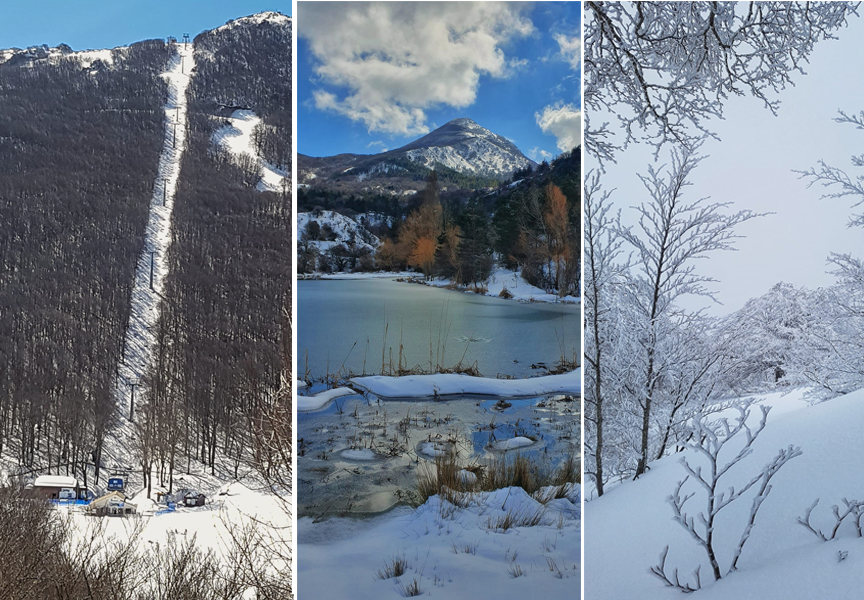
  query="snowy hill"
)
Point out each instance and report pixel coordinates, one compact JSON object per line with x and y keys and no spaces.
{"x":465,"y":146}
{"x":630,"y":525}
{"x":461,"y":145}
{"x":335,"y":229}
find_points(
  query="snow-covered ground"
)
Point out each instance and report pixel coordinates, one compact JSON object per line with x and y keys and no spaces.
{"x":512,"y":281}
{"x":236,"y":137}
{"x":153,"y":262}
{"x":628,"y":527}
{"x":449,"y":551}
{"x":448,"y":384}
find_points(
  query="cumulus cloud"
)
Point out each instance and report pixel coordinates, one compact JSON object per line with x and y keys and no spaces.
{"x":396,"y":59}
{"x":564,"y":121}
{"x":571,"y":49}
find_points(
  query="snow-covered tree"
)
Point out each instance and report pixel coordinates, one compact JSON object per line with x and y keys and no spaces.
{"x":841,"y":368}
{"x":665,"y":69}
{"x":671,"y":234}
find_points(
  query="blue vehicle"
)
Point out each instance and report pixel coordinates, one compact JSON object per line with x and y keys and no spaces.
{"x":116,"y":484}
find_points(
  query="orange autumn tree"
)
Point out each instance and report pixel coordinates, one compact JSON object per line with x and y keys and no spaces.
{"x":557,"y":220}
{"x":418,"y":240}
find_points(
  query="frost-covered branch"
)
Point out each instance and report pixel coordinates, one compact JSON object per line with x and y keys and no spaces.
{"x":710,"y":438}
{"x":665,"y":69}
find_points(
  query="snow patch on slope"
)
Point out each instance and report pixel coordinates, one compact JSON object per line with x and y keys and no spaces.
{"x":237,"y":138}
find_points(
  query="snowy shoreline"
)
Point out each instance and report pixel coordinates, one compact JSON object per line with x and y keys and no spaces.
{"x":500,"y":279}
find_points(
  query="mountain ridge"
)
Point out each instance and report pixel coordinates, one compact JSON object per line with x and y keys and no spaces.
{"x":460,"y":144}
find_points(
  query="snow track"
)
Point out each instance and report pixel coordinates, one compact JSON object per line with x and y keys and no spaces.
{"x":152,"y":265}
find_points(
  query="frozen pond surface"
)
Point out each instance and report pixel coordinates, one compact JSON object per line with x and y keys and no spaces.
{"x":360,"y":455}
{"x":343,"y":321}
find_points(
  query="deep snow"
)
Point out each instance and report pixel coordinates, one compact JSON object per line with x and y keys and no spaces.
{"x":629,"y":526}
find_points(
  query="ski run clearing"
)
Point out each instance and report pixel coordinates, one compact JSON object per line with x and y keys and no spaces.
{"x":630,"y":525}
{"x":153,"y":262}
{"x":455,"y":552}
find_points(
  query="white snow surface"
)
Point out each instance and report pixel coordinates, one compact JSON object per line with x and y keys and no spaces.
{"x":236,"y":137}
{"x":629,"y":526}
{"x":321,"y":399}
{"x":234,"y":503}
{"x":501,"y":278}
{"x":145,"y":302}
{"x":359,"y":454}
{"x":454,"y":553}
{"x":447,"y":384}
{"x":512,"y":443}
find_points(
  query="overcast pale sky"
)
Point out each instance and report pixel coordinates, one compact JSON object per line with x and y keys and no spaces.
{"x":752,"y":167}
{"x":375,"y":76}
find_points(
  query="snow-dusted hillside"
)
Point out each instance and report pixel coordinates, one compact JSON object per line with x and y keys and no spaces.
{"x":466,"y":147}
{"x":461,"y":145}
{"x":629,"y":526}
{"x":345,"y":230}
{"x":272,"y":17}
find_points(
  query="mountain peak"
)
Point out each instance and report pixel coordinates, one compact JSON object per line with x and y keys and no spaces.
{"x":464,"y":145}
{"x":270,"y":16}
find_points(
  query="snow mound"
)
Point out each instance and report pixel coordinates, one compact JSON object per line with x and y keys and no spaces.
{"x":448,"y":384}
{"x":512,"y":443}
{"x":361,"y":454}
{"x":321,"y":399}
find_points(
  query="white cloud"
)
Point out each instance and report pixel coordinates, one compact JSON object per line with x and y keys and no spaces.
{"x":537,"y":154}
{"x":564,"y":121}
{"x":571,"y":49}
{"x":377,"y":144}
{"x":396,"y":59}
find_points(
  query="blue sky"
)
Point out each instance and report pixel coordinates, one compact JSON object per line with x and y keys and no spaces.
{"x":87,"y":24}
{"x":528,"y":73}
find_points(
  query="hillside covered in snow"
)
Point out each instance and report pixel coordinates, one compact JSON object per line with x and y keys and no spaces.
{"x":627,"y":529}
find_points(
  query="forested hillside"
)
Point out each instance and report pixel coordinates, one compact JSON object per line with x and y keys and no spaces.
{"x":79,"y":149}
{"x":223,"y":345}
{"x":529,"y":223}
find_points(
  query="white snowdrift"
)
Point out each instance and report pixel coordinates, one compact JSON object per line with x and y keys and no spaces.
{"x":630,"y":525}
{"x":446,"y":384}
{"x":321,"y":399}
{"x":453,"y":553}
